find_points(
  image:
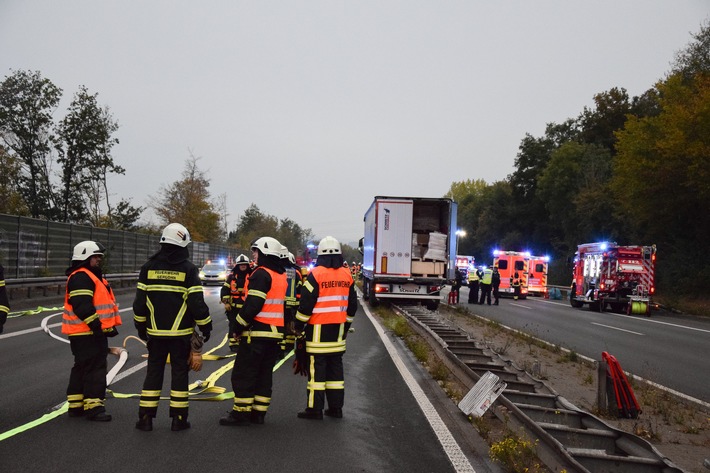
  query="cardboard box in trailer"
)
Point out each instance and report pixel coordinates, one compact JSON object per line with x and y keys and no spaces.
{"x":409,"y":249}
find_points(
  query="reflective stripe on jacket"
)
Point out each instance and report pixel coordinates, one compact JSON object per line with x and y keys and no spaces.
{"x":272,"y":312}
{"x":104,"y":304}
{"x":329,"y":310}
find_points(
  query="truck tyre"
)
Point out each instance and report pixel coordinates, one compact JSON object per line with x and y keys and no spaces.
{"x":373,"y":298}
{"x":366,"y":289}
{"x":432,"y":304}
{"x":572,"y":299}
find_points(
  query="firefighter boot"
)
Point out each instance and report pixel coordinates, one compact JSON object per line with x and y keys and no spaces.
{"x":257,"y":417}
{"x":236,"y":419}
{"x":309,"y":413}
{"x":334,"y":412}
{"x":145,"y":423}
{"x":97,"y":414}
{"x":179,"y":423}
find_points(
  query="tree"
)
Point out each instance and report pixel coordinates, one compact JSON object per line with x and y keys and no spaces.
{"x":27,"y":102}
{"x":695,"y":58}
{"x":661,"y":177}
{"x":11,"y":201}
{"x":255,"y":224}
{"x":187,"y":201}
{"x":85,"y":155}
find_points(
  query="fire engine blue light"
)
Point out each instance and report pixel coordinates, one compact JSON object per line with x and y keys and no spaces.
{"x":547,"y":259}
{"x":222,"y":261}
{"x":495,"y":252}
{"x":603,"y":246}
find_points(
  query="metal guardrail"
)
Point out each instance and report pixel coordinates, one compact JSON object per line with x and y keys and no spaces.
{"x":56,"y":284}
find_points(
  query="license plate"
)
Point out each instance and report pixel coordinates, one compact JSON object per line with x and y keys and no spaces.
{"x":412,"y":288}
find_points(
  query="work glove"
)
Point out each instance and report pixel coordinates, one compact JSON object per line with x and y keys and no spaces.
{"x":142,"y":333}
{"x":95,"y":326}
{"x":112,"y":333}
{"x":195,"y":361}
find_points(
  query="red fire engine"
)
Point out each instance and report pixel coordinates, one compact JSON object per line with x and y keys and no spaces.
{"x":537,"y":275}
{"x":509,"y":263}
{"x":621,"y":277}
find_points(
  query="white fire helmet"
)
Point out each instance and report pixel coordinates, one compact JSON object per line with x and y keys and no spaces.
{"x":86,"y":249}
{"x":329,"y":246}
{"x":176,"y":234}
{"x":291,"y":258}
{"x":241,"y":259}
{"x":284,"y":252}
{"x":268,"y":246}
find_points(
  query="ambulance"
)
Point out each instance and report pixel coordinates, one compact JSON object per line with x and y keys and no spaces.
{"x":537,"y":275}
{"x":509,"y":263}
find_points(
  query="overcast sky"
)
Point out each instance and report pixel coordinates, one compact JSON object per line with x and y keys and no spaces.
{"x":309,"y":109}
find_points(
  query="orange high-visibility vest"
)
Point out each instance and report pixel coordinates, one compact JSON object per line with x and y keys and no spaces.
{"x":104,"y":303}
{"x":272,"y":313}
{"x":333,"y":291}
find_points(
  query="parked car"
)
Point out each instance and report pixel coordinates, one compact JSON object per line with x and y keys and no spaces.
{"x":213,"y":273}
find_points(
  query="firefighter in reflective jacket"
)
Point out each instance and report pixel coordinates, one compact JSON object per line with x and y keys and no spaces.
{"x":260,"y":325}
{"x":233,"y":294}
{"x":515,"y":283}
{"x":486,"y":280}
{"x":90,"y":316}
{"x":168,"y":304}
{"x":328,"y":304}
{"x":4,"y":304}
{"x":293,"y":297}
{"x":473,"y":280}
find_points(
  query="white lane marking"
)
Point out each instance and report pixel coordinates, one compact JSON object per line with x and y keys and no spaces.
{"x":617,"y":328}
{"x":448,"y":442}
{"x":26,"y":331}
{"x":646,"y":319}
{"x":519,"y":305}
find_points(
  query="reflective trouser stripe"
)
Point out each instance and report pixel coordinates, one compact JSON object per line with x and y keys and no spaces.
{"x":261,"y":403}
{"x":243,"y":404}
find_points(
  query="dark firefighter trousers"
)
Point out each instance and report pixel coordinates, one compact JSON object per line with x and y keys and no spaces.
{"x":86,"y":392}
{"x":472,"y":292}
{"x":485,"y":294}
{"x":158,"y":350}
{"x":326,"y":380}
{"x":252,"y":376}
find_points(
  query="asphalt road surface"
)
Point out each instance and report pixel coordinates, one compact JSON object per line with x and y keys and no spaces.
{"x":389,"y":424}
{"x":666,"y":348}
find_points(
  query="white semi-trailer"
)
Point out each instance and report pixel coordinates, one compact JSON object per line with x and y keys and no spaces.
{"x":409,"y":249}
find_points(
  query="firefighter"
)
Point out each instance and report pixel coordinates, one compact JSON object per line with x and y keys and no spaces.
{"x":260,"y":325}
{"x":168,"y":305}
{"x":328,"y":304}
{"x":486,"y":280}
{"x":233,"y":293}
{"x":495,"y":283}
{"x":90,"y":316}
{"x":4,"y":303}
{"x":293,"y":297}
{"x":515,"y":283}
{"x":473,"y":281}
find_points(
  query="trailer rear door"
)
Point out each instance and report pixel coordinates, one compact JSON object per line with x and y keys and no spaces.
{"x":394,"y":237}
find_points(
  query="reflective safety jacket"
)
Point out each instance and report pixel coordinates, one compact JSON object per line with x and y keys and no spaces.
{"x":169,"y":300}
{"x":263,"y":311}
{"x":294,"y":281}
{"x":328,"y":304}
{"x":473,"y":276}
{"x":4,"y":304}
{"x":487,"y":276}
{"x":234,"y":290}
{"x":104,"y":304}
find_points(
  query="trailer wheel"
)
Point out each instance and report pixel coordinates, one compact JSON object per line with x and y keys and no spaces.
{"x":366,"y":290}
{"x":432,"y":305}
{"x":373,"y":298}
